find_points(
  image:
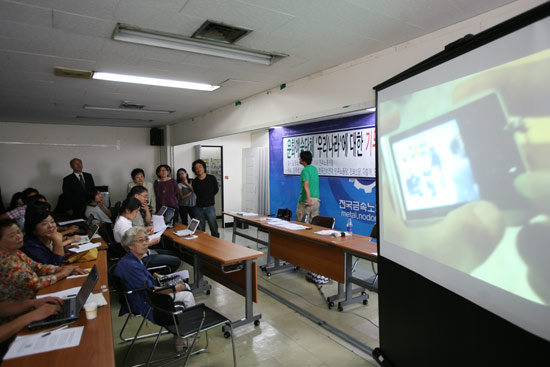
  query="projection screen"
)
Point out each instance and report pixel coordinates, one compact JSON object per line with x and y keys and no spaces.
{"x":464,"y":174}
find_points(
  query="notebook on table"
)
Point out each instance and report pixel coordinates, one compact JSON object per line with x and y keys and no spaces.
{"x":72,"y":306}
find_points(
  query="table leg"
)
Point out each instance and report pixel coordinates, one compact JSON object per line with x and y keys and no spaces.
{"x":248,"y":303}
{"x":350,"y":280}
{"x":199,"y":284}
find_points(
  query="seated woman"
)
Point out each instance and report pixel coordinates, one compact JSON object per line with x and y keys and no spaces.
{"x":21,"y":277}
{"x":42,"y":242}
{"x":156,"y":257}
{"x":133,"y":273}
{"x":138,"y":179}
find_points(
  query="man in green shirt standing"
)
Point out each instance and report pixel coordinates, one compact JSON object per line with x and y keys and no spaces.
{"x":309,"y":202}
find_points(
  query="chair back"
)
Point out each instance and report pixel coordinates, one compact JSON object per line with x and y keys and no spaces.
{"x":327,"y":222}
{"x":162,"y":306}
{"x":115,"y":211}
{"x":285,"y":214}
{"x":374,"y":231}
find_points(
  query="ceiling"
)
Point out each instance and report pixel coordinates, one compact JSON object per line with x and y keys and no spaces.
{"x":38,"y":35}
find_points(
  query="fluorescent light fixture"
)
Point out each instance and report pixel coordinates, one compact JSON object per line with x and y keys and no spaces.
{"x":140,"y":36}
{"x":153,"y":81}
{"x":121,"y":109}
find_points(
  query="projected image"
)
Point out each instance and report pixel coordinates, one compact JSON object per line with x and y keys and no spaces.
{"x":465,"y":173}
{"x":433,"y":168}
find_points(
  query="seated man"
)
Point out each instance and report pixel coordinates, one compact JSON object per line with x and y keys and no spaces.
{"x":96,"y":207}
{"x":133,"y":273}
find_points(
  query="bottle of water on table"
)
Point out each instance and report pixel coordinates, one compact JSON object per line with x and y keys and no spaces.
{"x":349,"y":226}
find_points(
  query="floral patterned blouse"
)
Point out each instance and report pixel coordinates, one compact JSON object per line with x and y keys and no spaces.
{"x":21,"y":277}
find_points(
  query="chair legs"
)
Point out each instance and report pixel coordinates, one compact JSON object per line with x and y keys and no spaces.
{"x":127,"y":339}
{"x":173,"y":359}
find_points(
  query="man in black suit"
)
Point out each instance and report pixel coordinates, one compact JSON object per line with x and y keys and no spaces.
{"x":75,"y":187}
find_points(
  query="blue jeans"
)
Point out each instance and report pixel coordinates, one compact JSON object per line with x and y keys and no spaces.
{"x":208,"y":213}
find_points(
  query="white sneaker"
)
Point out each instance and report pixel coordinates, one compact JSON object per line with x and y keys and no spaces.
{"x":180,"y":344}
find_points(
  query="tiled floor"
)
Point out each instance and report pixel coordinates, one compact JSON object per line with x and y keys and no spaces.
{"x":284,"y":337}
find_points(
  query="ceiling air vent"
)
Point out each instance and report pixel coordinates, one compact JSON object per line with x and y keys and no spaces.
{"x":219,"y":32}
{"x":73,"y":73}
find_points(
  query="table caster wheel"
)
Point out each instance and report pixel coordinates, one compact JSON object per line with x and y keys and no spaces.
{"x":226,"y":335}
{"x":330,"y":305}
{"x":365,"y":301}
{"x":268,"y":274}
{"x":256,"y":322}
{"x":208,"y":292}
{"x":340,"y":308}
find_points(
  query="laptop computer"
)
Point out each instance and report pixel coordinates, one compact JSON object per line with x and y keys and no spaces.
{"x":83,"y":227}
{"x":72,"y":306}
{"x":88,"y":238}
{"x":190,"y":229}
{"x":168,"y":214}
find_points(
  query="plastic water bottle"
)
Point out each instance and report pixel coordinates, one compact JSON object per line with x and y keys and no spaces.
{"x":349,"y":226}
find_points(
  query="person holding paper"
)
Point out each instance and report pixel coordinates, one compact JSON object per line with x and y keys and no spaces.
{"x":20,"y":276}
{"x":26,"y":311}
{"x":157,"y":257}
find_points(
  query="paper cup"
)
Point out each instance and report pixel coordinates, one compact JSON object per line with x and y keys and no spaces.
{"x":91,"y":310}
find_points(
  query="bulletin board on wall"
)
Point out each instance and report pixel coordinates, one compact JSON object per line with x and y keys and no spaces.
{"x":344,"y":153}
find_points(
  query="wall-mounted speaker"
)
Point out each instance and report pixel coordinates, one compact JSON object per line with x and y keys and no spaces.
{"x":156,"y":136}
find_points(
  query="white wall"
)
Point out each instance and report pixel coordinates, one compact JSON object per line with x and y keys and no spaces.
{"x":233,"y":145}
{"x":42,"y":158}
{"x":259,"y":139}
{"x":341,"y":89}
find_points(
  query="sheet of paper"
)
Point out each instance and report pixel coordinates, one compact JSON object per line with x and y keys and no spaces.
{"x":70,"y":222}
{"x":158,"y":224}
{"x":292,"y":226}
{"x":83,"y":239}
{"x":38,"y":343}
{"x":327,"y":232}
{"x":97,"y":298}
{"x":245,"y":214}
{"x":77,"y":276}
{"x":85,"y":247}
{"x":64,"y":294}
{"x":275,"y":221}
{"x":155,"y":235}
